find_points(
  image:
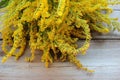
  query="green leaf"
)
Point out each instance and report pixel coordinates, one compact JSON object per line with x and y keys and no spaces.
{"x":4,"y":3}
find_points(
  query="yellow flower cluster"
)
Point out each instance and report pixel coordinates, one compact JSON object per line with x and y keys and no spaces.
{"x":53,"y":26}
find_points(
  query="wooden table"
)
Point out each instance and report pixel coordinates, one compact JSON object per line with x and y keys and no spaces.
{"x":103,"y":56}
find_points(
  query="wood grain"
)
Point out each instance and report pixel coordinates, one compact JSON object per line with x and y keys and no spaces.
{"x":103,"y":57}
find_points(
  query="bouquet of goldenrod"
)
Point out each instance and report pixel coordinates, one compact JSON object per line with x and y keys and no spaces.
{"x":54,"y":27}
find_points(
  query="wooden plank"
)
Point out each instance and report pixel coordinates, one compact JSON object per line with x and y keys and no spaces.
{"x":115,"y":14}
{"x":115,"y":7}
{"x":103,"y":57}
{"x":111,"y":35}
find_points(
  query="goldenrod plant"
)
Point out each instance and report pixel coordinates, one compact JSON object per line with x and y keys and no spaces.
{"x":54,"y":27}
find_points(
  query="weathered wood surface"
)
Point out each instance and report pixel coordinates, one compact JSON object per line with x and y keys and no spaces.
{"x":115,"y":7}
{"x":103,"y":57}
